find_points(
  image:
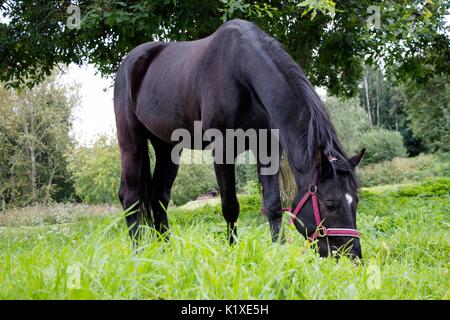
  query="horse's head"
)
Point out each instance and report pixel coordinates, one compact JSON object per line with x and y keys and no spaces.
{"x":326,"y":210}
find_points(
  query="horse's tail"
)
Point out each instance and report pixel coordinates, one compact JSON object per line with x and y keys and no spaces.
{"x":132,"y":134}
{"x":134,"y":67}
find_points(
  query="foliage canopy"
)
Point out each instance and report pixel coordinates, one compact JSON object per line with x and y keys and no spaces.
{"x":329,"y":39}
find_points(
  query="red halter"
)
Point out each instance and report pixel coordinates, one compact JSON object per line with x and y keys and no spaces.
{"x":321,"y":230}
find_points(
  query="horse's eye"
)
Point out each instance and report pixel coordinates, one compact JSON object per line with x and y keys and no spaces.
{"x":331,"y":205}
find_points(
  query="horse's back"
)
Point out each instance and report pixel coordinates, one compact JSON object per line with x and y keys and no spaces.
{"x":173,"y":84}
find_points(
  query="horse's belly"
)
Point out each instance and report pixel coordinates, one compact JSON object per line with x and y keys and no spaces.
{"x":162,"y":121}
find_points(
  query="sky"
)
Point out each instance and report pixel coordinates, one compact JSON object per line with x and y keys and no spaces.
{"x":94,"y":114}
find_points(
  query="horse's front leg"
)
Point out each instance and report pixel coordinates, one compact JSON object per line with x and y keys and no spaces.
{"x":272,"y":202}
{"x":230,"y":206}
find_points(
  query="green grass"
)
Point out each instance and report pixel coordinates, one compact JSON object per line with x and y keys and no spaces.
{"x":404,"y":238}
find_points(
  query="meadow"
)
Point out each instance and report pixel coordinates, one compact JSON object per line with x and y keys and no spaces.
{"x":83,"y":252}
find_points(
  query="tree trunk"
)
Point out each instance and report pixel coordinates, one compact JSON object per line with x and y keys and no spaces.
{"x":49,"y":184}
{"x":378,"y":102}
{"x":33,"y":175}
{"x":2,"y":204}
{"x":378,"y":115}
{"x":366,"y":86}
{"x":32,"y":156}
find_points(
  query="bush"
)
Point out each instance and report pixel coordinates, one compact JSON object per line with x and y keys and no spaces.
{"x":401,"y":170}
{"x":96,"y":172}
{"x":382,"y":145}
{"x":192,"y":180}
{"x":430,"y":187}
{"x":244,"y":173}
{"x":252,"y":187}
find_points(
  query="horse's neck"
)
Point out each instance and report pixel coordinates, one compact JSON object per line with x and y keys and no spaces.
{"x":283,"y":103}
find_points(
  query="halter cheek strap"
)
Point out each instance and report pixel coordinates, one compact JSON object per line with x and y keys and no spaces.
{"x":321,"y":230}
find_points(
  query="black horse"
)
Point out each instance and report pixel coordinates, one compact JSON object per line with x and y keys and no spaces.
{"x":238,"y":77}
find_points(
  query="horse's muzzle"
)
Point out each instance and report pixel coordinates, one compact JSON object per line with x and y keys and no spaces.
{"x":340,"y":246}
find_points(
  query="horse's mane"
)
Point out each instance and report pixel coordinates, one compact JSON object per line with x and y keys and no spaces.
{"x":321,"y":132}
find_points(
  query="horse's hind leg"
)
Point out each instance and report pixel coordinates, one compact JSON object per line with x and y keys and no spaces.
{"x":135,"y":179}
{"x":162,"y":182}
{"x":230,"y":205}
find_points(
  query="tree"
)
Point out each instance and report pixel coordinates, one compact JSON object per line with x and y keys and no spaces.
{"x":386,"y":104}
{"x":95,"y":171}
{"x":35,"y":140}
{"x":350,"y":120}
{"x":428,"y":111}
{"x":329,"y":39}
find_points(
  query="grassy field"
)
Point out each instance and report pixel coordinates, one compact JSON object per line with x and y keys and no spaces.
{"x":83,"y":253}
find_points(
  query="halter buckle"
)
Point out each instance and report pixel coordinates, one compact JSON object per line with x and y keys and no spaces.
{"x":321,"y":231}
{"x":313,"y":188}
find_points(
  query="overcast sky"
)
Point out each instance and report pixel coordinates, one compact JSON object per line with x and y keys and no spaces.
{"x":95,"y":115}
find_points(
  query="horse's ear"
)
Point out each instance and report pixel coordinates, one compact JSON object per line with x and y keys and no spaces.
{"x":324,"y":164}
{"x":356,"y":159}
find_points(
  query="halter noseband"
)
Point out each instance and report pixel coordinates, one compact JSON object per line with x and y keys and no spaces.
{"x":321,"y":230}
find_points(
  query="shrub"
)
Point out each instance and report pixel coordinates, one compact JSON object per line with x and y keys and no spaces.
{"x":382,"y":145}
{"x":252,"y":187}
{"x":430,"y":187}
{"x":401,"y":170}
{"x":244,"y":173}
{"x":192,"y":180}
{"x":96,"y":172}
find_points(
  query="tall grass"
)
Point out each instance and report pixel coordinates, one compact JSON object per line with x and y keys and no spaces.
{"x":404,"y":238}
